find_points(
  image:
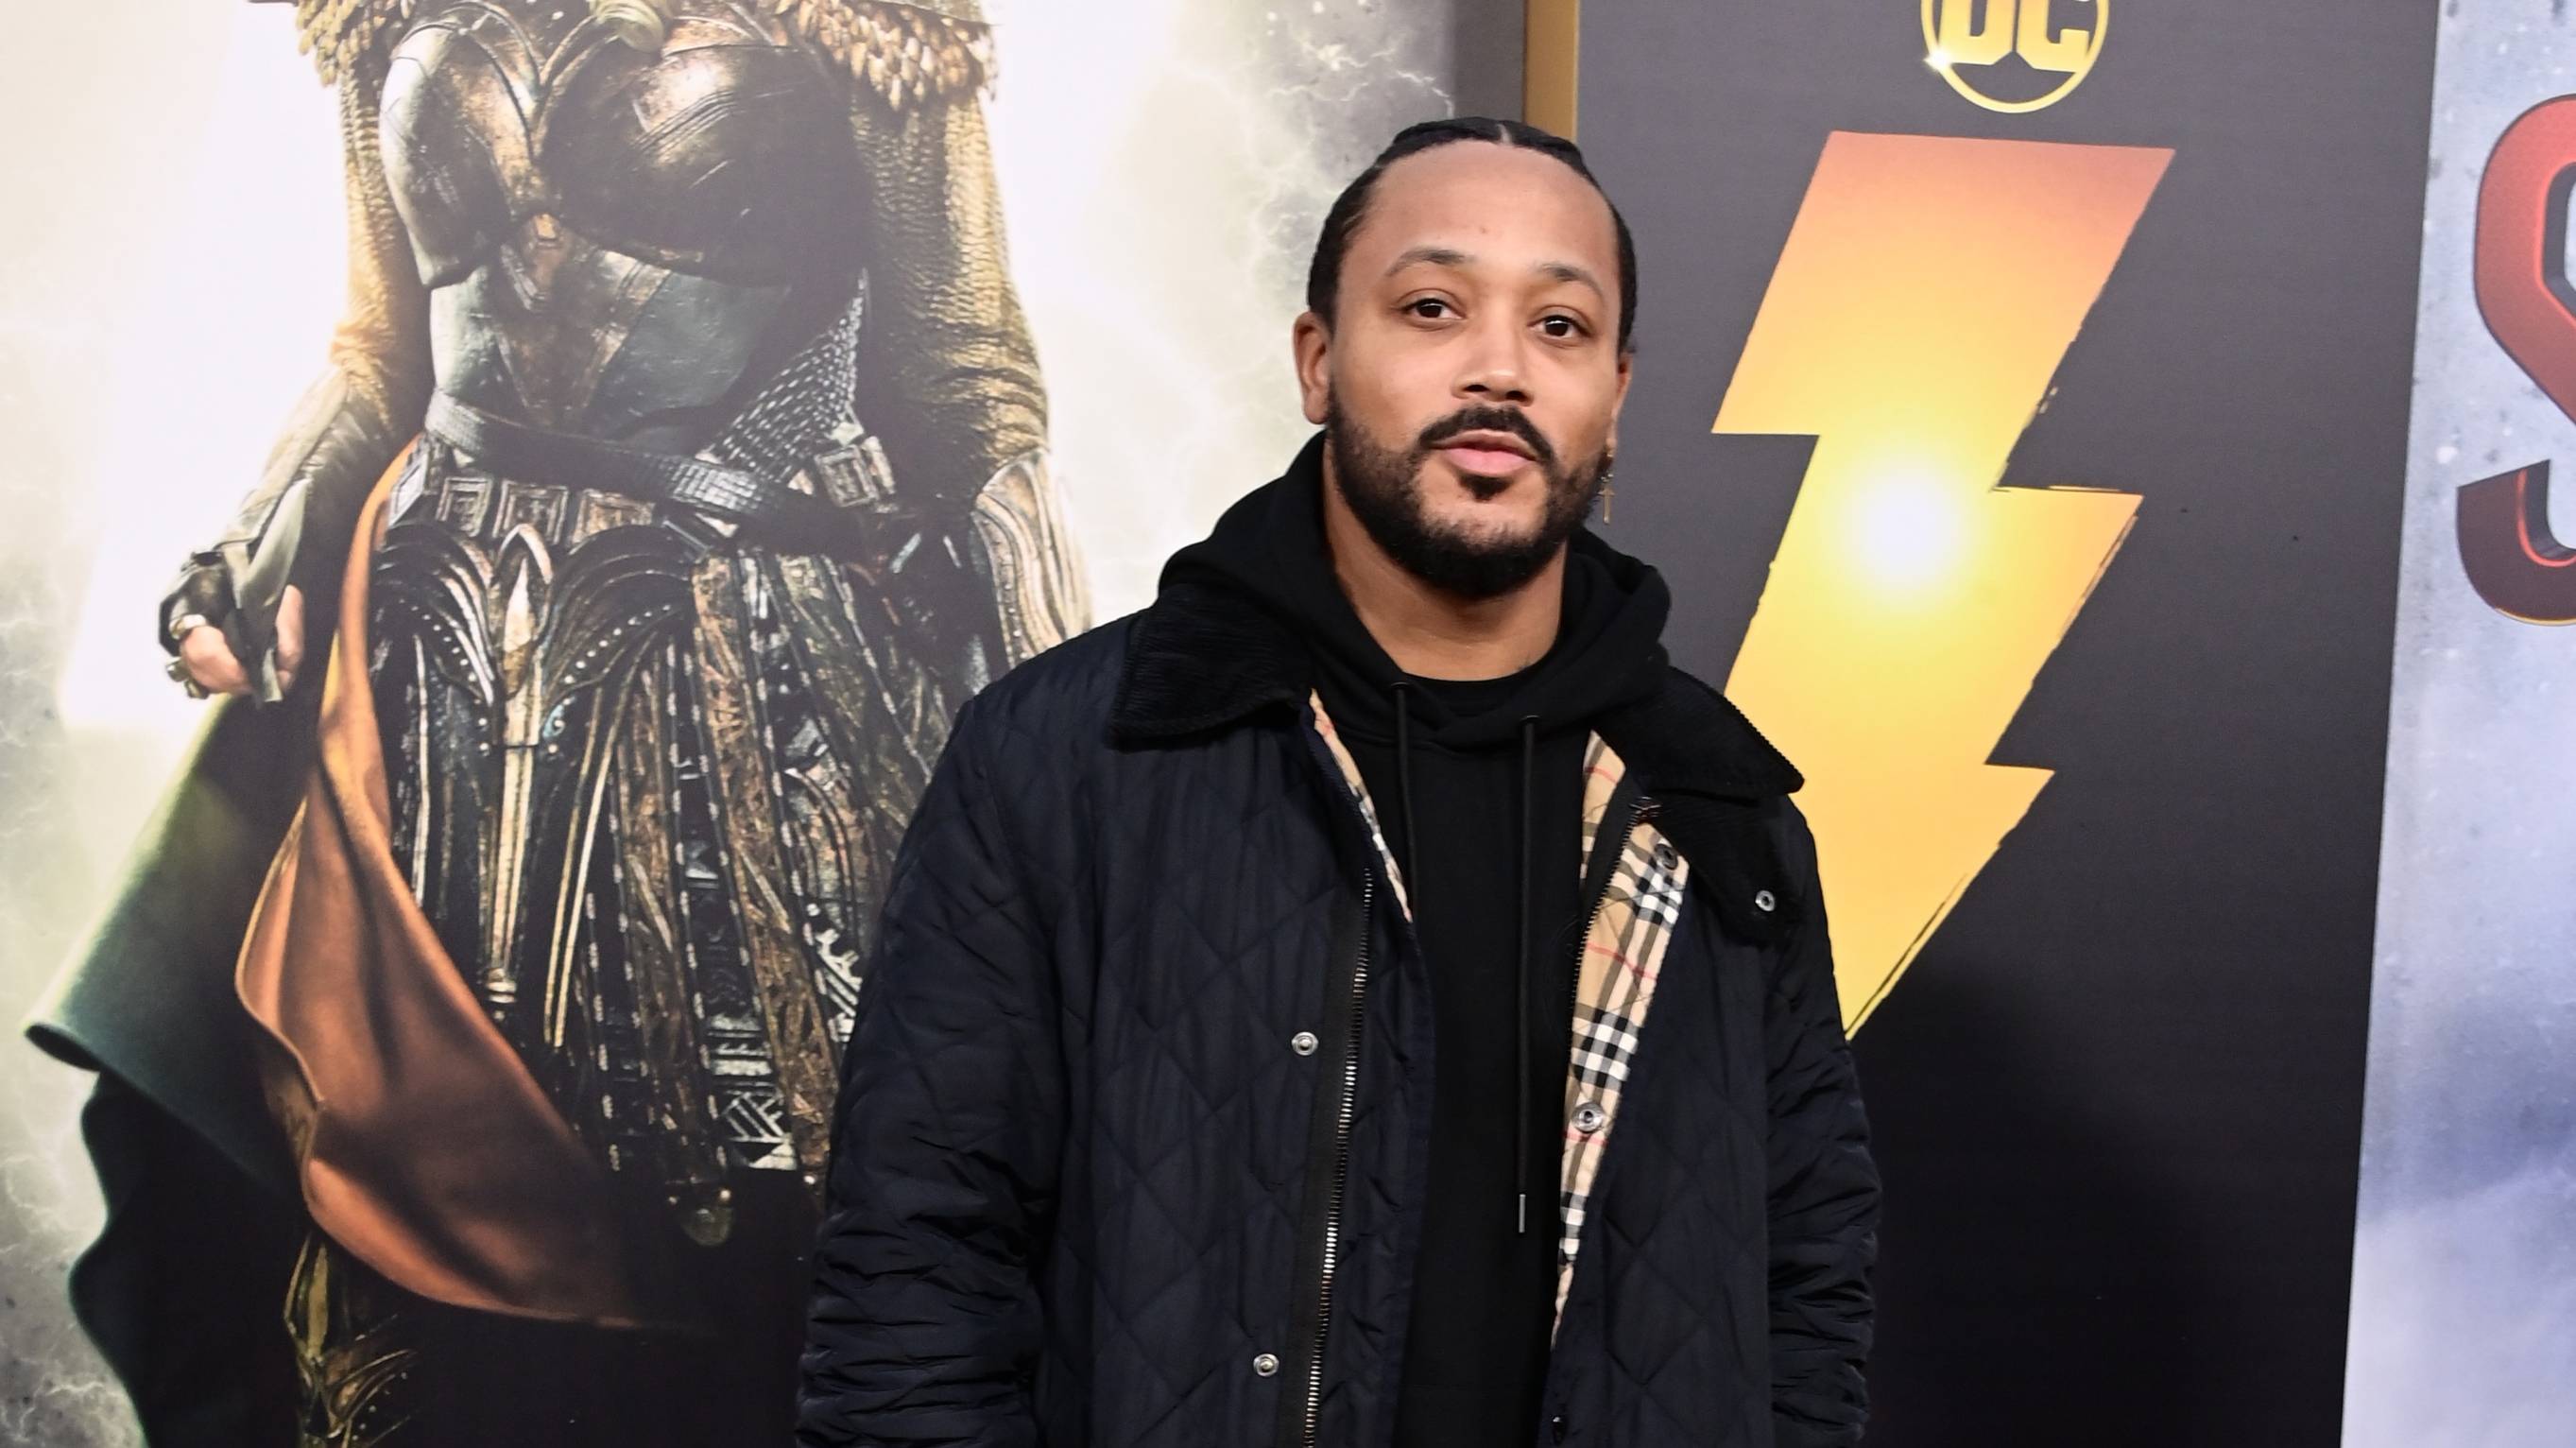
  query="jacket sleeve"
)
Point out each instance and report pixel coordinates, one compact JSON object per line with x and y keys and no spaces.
{"x":1824,"y":1190}
{"x":924,"y":1324}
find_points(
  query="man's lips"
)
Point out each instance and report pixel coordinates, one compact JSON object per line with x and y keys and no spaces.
{"x":1484,"y":462}
{"x":1485,"y":458}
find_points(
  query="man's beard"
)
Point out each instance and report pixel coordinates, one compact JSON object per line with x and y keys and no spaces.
{"x":1384,"y":490}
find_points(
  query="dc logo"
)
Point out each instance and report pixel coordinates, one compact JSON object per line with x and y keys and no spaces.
{"x":2014,"y":55}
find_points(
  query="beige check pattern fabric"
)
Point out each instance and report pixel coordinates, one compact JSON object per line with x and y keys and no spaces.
{"x":1623,"y":952}
{"x":1360,"y":796}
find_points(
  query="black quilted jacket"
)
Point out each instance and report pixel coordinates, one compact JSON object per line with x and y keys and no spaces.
{"x":1127,"y":1157}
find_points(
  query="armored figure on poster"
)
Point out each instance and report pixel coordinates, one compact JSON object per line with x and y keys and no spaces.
{"x":679,"y":471}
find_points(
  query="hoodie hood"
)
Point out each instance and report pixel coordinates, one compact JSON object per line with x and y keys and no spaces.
{"x":1269,"y":549}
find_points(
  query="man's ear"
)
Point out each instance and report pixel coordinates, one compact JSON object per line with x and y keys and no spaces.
{"x":1312,"y":343}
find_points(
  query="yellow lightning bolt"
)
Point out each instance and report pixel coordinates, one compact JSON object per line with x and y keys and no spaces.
{"x":1926,"y":294}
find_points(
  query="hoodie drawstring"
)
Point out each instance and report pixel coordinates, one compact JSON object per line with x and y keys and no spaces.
{"x":1404,"y":792}
{"x":1521,"y":979}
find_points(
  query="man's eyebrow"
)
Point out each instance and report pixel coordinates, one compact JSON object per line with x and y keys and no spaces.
{"x":1450,"y":256}
{"x":1430,"y":256}
{"x":1566,"y":271}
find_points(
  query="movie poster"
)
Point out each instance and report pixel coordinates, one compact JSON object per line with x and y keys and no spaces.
{"x":2019,"y":415}
{"x":653,"y":417}
{"x":2463,"y":1304}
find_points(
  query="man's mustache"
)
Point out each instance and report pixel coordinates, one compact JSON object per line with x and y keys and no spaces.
{"x":1489,"y":419}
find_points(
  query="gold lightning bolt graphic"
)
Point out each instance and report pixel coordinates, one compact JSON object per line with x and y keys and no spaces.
{"x":1926,"y":294}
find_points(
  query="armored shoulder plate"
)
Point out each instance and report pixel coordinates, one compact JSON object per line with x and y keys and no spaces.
{"x":340,"y":34}
{"x":906,"y":53}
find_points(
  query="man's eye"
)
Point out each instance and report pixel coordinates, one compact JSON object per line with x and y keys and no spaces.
{"x":1560,"y":327}
{"x":1428,"y":308}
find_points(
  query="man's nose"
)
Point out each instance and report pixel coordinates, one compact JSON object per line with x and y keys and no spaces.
{"x":1494,"y":371}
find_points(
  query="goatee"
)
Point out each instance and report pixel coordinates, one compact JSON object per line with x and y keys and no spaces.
{"x":1383,"y":487}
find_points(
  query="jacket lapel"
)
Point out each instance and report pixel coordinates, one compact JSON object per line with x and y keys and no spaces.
{"x":1350,"y":775}
{"x":1640,"y":903}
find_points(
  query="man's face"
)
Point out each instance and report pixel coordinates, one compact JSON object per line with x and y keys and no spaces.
{"x":1471,"y":381}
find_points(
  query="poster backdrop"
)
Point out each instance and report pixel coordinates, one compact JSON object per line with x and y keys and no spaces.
{"x":2020,"y":415}
{"x":2023,"y":421}
{"x":170,"y":272}
{"x":2464,"y":1266}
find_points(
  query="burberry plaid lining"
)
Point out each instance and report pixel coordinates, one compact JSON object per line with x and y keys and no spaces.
{"x":1623,"y":952}
{"x":1359,"y":795}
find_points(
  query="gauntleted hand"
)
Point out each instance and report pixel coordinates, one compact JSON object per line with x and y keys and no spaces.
{"x":207,"y":656}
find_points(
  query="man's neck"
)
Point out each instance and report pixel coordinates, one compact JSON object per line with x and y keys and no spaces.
{"x":1435,"y":635}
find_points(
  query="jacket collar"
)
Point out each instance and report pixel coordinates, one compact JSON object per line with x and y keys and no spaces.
{"x":1201,"y":660}
{"x":1688,"y":739}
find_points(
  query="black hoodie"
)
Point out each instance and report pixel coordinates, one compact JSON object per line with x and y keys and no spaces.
{"x":1478,"y":786}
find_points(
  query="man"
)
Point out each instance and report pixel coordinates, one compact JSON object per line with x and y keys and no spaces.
{"x":1370,"y":995}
